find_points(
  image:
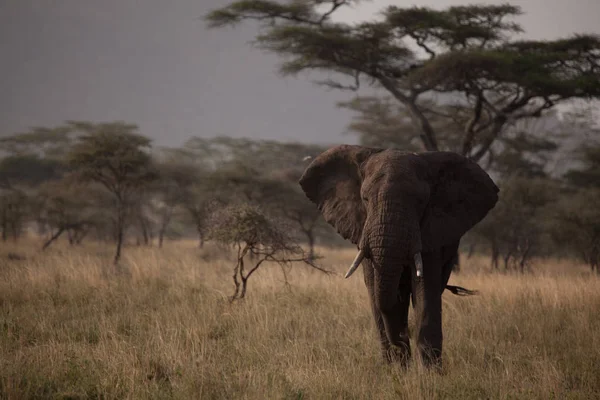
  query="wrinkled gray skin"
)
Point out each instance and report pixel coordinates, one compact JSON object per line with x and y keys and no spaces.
{"x":392,"y":205}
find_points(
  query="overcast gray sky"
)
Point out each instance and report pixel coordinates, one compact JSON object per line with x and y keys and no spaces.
{"x":154,"y":63}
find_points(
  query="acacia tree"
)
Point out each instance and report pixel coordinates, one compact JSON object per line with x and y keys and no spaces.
{"x":30,"y":159}
{"x":577,"y":225}
{"x":464,"y":52}
{"x":515,"y":226}
{"x":21,"y":172}
{"x":64,"y":206}
{"x":113,"y":155}
{"x":577,"y":216}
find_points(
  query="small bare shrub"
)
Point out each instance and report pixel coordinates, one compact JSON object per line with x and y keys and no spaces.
{"x":257,"y":238}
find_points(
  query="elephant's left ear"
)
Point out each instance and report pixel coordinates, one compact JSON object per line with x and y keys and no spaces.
{"x":461,"y":195}
{"x":333,"y":182}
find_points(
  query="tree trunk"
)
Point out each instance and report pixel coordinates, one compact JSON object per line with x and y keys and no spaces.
{"x":236,"y":278}
{"x":506,"y":260}
{"x":120,"y":231}
{"x":53,"y":238}
{"x":15,"y":230}
{"x":200,"y":239}
{"x":166,"y":220}
{"x":495,"y":255}
{"x":427,"y":133}
{"x":119,"y":245}
{"x":70,"y":237}
{"x":4,"y":225}
{"x":244,"y":286}
{"x":147,"y":240}
{"x":144,"y":230}
{"x":311,"y":244}
{"x":80,"y":235}
{"x":161,"y":236}
{"x":525,"y":256}
{"x":593,"y":260}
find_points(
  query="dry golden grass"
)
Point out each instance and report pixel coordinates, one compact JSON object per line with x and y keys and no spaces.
{"x":71,"y":328}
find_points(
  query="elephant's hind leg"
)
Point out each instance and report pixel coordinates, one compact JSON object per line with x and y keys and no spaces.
{"x":400,"y":351}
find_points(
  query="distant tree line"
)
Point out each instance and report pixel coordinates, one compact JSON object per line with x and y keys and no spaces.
{"x":105,"y":182}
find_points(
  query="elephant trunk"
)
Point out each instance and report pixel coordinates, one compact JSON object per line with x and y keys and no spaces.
{"x":394,"y":246}
{"x":386,"y":243}
{"x":395,"y":236}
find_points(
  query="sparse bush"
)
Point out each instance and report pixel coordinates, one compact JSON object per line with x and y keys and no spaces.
{"x":257,"y":239}
{"x":577,"y":226}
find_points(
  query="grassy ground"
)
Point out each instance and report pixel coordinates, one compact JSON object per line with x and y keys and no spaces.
{"x":71,"y":328}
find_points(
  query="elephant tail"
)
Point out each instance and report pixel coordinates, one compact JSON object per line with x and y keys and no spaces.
{"x":461,"y":291}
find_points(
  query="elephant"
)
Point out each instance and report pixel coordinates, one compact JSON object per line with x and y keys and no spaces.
{"x":406,"y":213}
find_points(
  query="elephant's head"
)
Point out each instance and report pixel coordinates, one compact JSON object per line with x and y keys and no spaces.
{"x":394,"y":204}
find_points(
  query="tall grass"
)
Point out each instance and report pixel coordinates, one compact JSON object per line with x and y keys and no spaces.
{"x":70,"y":327}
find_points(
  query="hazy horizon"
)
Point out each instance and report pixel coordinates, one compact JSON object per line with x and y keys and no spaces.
{"x":158,"y":66}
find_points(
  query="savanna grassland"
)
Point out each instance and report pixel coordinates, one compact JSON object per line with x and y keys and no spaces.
{"x":70,"y":327}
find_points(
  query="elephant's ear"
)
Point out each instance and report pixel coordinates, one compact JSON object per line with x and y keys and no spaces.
{"x":461,"y":195}
{"x":333,"y":181}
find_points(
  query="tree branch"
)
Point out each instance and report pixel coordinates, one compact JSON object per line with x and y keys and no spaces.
{"x":536,"y":112}
{"x":304,"y":260}
{"x":497,"y":126}
{"x":258,"y":264}
{"x":336,"y":85}
{"x":420,"y":41}
{"x":422,"y":123}
{"x":470,"y":127}
{"x":334,"y":6}
{"x":265,"y":10}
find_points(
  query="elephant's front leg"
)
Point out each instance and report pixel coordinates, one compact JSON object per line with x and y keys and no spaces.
{"x":450,"y":256}
{"x":400,"y":352}
{"x":427,"y":299}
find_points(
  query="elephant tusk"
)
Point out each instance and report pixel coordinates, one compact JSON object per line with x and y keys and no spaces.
{"x":419,"y":264}
{"x":359,"y":257}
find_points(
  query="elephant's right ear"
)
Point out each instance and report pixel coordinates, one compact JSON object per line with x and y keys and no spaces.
{"x":332,"y":181}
